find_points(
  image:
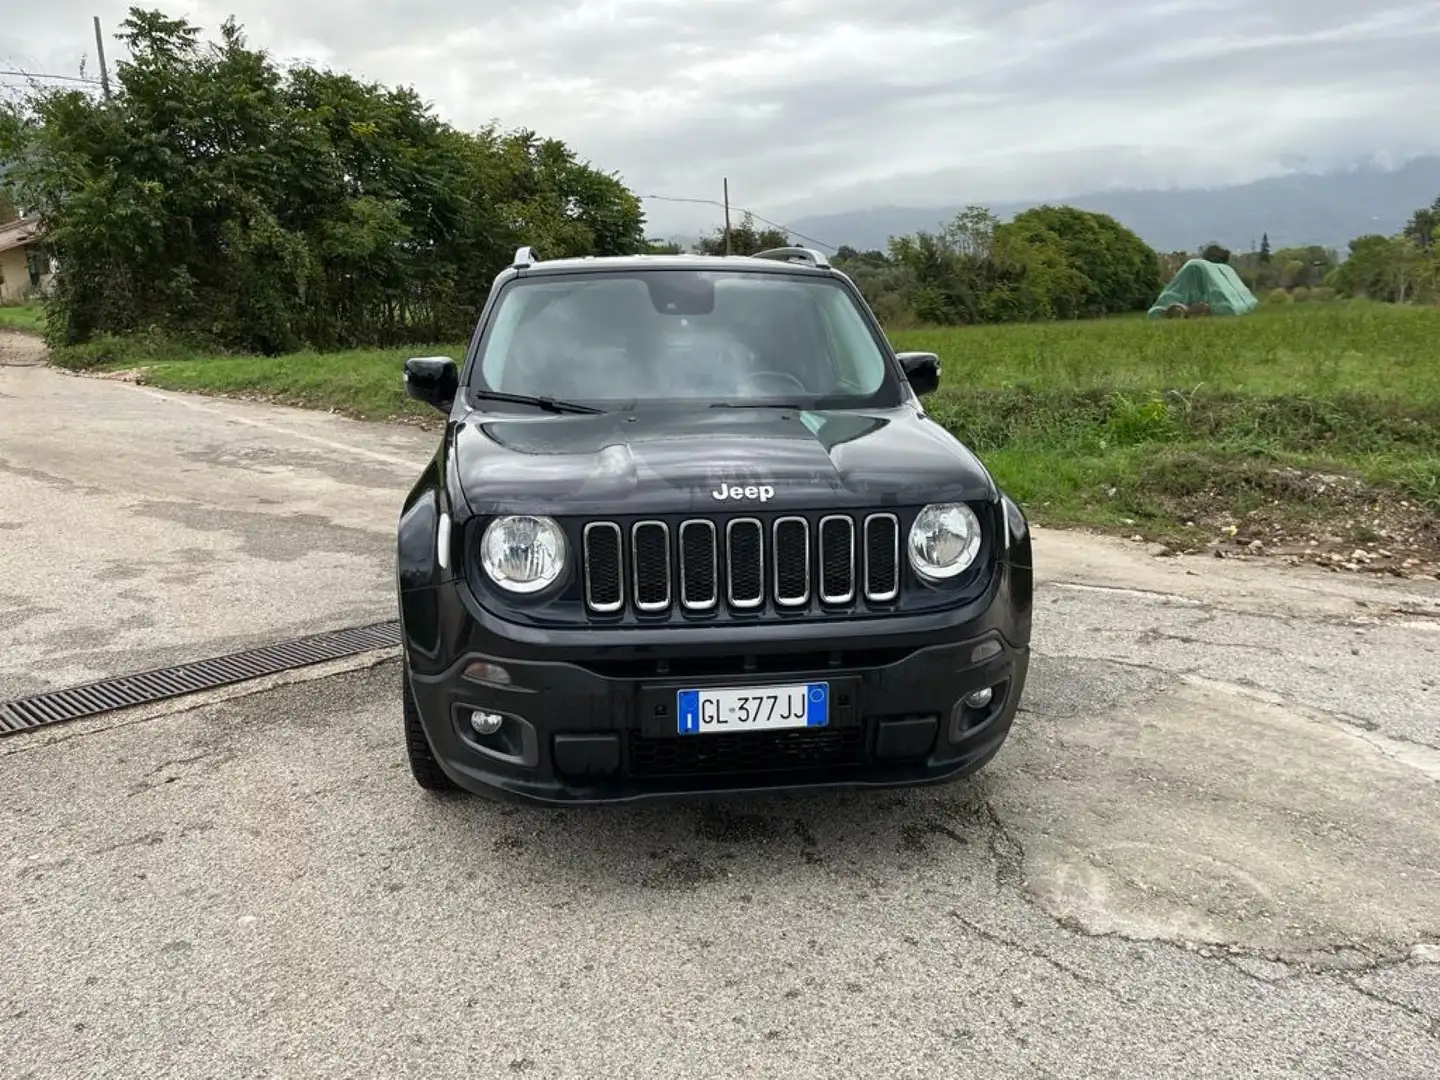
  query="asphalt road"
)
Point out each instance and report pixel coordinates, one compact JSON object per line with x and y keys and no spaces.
{"x":1210,"y":849}
{"x":140,"y":526}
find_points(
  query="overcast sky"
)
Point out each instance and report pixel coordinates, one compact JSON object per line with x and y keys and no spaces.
{"x":818,"y":105}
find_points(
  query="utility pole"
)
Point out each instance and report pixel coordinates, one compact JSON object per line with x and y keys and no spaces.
{"x":100,"y":48}
{"x":727,"y":215}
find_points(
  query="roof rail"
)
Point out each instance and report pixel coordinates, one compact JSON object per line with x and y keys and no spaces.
{"x":808,"y":256}
{"x":525,"y":256}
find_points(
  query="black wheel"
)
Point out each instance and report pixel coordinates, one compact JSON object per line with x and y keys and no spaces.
{"x":423,"y":766}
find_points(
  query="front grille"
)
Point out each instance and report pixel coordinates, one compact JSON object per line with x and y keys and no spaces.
{"x":746,"y":753}
{"x":703,"y":565}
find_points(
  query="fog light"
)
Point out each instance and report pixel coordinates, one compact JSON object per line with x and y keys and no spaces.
{"x":980,"y":698}
{"x":486,"y":723}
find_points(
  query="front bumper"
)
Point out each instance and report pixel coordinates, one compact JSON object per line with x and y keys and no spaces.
{"x":598,"y":725}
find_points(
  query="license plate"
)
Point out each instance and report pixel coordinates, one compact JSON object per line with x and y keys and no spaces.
{"x":755,"y":708}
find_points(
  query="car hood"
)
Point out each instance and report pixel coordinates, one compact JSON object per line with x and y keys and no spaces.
{"x":678,"y":462}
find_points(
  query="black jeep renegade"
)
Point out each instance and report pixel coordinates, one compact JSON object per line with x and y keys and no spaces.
{"x":690,"y":531}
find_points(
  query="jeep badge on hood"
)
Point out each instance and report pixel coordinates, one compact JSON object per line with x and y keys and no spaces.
{"x":734,"y":491}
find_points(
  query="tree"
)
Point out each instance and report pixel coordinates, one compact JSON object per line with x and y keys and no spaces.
{"x":852,"y":259}
{"x":1215,"y":253}
{"x":1121,"y":272}
{"x":1409,"y":271}
{"x":952,"y":274}
{"x":1265,"y":249}
{"x":220,"y":197}
{"x":1050,"y":262}
{"x":1424,"y":226}
{"x":745,"y":239}
{"x":1390,"y":268}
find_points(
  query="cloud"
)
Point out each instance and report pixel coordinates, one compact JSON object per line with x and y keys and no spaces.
{"x":828,"y":104}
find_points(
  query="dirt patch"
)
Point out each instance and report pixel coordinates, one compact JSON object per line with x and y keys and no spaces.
{"x":1331,"y":520}
{"x":21,"y":350}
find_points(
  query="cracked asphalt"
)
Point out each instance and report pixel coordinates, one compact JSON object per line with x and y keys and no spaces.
{"x":1211,"y":847}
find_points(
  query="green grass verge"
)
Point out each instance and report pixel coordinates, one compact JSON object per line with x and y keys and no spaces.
{"x":1157,"y":423}
{"x":1133,"y":423}
{"x":22,"y":317}
{"x":364,"y":383}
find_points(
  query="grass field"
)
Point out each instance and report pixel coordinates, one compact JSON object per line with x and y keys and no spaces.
{"x":1133,"y":424}
{"x":1216,"y":421}
{"x":22,"y":317}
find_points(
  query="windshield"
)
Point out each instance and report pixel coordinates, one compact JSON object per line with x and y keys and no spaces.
{"x":724,"y":337}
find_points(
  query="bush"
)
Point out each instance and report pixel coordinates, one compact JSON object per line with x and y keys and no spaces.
{"x":124,"y":350}
{"x":1279,"y":296}
{"x":1322,"y":293}
{"x":1300,"y":294}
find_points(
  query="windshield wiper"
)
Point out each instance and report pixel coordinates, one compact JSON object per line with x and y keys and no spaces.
{"x":549,"y":404}
{"x":759,"y":405}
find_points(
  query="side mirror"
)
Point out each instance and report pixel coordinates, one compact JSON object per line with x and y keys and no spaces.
{"x":922,"y":369}
{"x":433,"y":380}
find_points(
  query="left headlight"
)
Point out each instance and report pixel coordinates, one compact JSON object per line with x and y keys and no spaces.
{"x":523,"y":554}
{"x":944,"y":540}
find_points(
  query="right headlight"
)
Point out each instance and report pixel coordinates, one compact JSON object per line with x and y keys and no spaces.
{"x":944,"y":540}
{"x":522,"y":554}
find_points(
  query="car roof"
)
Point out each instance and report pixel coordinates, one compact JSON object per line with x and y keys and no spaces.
{"x":779,"y":260}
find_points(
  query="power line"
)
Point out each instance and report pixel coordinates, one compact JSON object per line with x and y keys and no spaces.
{"x":764,"y":220}
{"x":42,"y":75}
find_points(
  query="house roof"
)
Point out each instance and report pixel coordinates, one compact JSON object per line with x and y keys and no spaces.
{"x":19,"y":233}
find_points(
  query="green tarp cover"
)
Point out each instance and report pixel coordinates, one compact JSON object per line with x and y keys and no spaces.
{"x":1200,"y":281}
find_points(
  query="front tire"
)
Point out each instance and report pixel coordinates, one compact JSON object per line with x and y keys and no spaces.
{"x":423,"y":764}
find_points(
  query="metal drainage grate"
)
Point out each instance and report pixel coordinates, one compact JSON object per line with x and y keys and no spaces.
{"x":142,"y":688}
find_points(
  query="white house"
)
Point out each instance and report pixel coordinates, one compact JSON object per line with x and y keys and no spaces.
{"x":25,"y":269}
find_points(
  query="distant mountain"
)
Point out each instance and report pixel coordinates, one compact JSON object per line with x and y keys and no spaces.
{"x":1329,"y":209}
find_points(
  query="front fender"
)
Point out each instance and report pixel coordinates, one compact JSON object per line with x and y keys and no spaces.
{"x":428,"y":552}
{"x":1018,"y":554}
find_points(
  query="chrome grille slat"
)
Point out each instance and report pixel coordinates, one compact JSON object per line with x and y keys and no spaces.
{"x":882,"y":562}
{"x":686,"y":566}
{"x":650,"y":561}
{"x":744,"y":565}
{"x":699,"y":565}
{"x":837,"y":534}
{"x":604,"y":561}
{"x":790,"y":547}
